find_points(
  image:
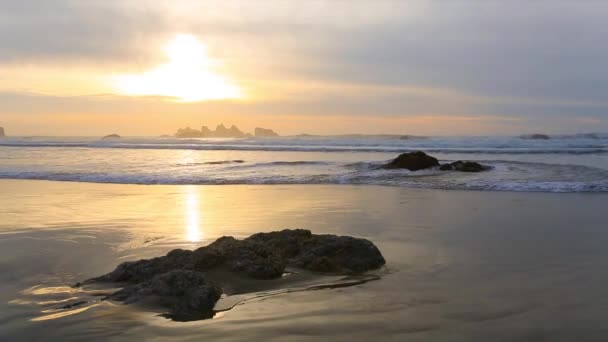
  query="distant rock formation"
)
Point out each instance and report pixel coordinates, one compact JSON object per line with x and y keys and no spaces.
{"x":411,"y":137}
{"x":111,"y":136}
{"x":536,"y":136}
{"x":2,"y":132}
{"x":264,"y":133}
{"x":206,"y":132}
{"x":188,"y":133}
{"x":220,"y":132}
{"x":233,"y":132}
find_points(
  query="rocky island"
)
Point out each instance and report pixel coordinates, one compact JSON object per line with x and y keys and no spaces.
{"x":111,"y":136}
{"x":181,"y":281}
{"x":222,"y":132}
{"x":264,"y":133}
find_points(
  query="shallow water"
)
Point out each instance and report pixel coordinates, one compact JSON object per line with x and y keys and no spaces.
{"x":461,"y":265}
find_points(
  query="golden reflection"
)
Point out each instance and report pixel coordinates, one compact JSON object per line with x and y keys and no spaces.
{"x":193,"y":230}
{"x":62,"y":313}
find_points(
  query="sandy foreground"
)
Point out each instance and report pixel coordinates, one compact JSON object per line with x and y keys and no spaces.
{"x":461,"y":265}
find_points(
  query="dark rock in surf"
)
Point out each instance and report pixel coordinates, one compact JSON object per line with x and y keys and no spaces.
{"x":411,"y":137}
{"x":464,"y":166}
{"x":446,"y":167}
{"x":469,"y":166}
{"x":413,"y":161}
{"x":179,"y":279}
{"x":535,"y":136}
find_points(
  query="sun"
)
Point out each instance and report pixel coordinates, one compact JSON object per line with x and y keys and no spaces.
{"x":189,"y":75}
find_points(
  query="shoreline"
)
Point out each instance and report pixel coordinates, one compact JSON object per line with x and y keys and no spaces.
{"x":540,"y":192}
{"x":461,"y":265}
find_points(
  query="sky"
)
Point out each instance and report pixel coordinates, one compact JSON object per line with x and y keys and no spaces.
{"x":138,"y":67}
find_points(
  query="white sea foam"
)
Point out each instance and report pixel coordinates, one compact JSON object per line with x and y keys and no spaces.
{"x":488,"y":145}
{"x":567,"y":164}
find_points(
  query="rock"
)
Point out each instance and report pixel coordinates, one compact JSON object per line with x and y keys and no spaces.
{"x":588,"y":136}
{"x":336,"y":254}
{"x":178,"y":278}
{"x":2,"y":132}
{"x":468,"y":166}
{"x":233,"y":132}
{"x":188,"y":133}
{"x":220,"y":132}
{"x":535,"y":136}
{"x":260,"y":256}
{"x":411,"y":137}
{"x":111,"y":136}
{"x":413,"y":161}
{"x":264,"y":133}
{"x":464,"y":166}
{"x":206,"y":132}
{"x":187,"y":294}
{"x":446,"y":167}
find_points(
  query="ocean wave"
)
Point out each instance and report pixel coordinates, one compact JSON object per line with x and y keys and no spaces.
{"x":589,"y":149}
{"x":505,"y":176}
{"x":286,"y":163}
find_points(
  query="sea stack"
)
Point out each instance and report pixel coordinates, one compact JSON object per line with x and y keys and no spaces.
{"x":264,"y":133}
{"x":2,"y":132}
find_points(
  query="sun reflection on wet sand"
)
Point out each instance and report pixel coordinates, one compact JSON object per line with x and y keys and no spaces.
{"x":193,"y":230}
{"x":61,"y":313}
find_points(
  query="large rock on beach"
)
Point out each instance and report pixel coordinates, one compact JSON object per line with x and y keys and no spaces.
{"x":413,"y":161}
{"x":179,"y":277}
{"x":187,"y":294}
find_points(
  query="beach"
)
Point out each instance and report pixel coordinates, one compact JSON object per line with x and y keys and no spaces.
{"x":461,"y":265}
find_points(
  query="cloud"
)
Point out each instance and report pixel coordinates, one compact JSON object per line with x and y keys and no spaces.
{"x":536,"y":61}
{"x":59,"y":31}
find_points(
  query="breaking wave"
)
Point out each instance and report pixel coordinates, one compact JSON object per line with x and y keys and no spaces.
{"x":487,"y":145}
{"x":505,"y":176}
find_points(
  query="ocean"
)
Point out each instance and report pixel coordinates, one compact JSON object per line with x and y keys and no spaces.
{"x":567,"y":163}
{"x":521,"y":264}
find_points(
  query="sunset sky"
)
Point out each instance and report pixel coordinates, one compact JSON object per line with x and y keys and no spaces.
{"x":321,"y":67}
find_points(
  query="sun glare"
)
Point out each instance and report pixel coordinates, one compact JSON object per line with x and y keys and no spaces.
{"x":188,"y":76}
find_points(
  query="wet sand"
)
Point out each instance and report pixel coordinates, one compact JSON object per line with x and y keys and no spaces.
{"x":461,"y":265}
